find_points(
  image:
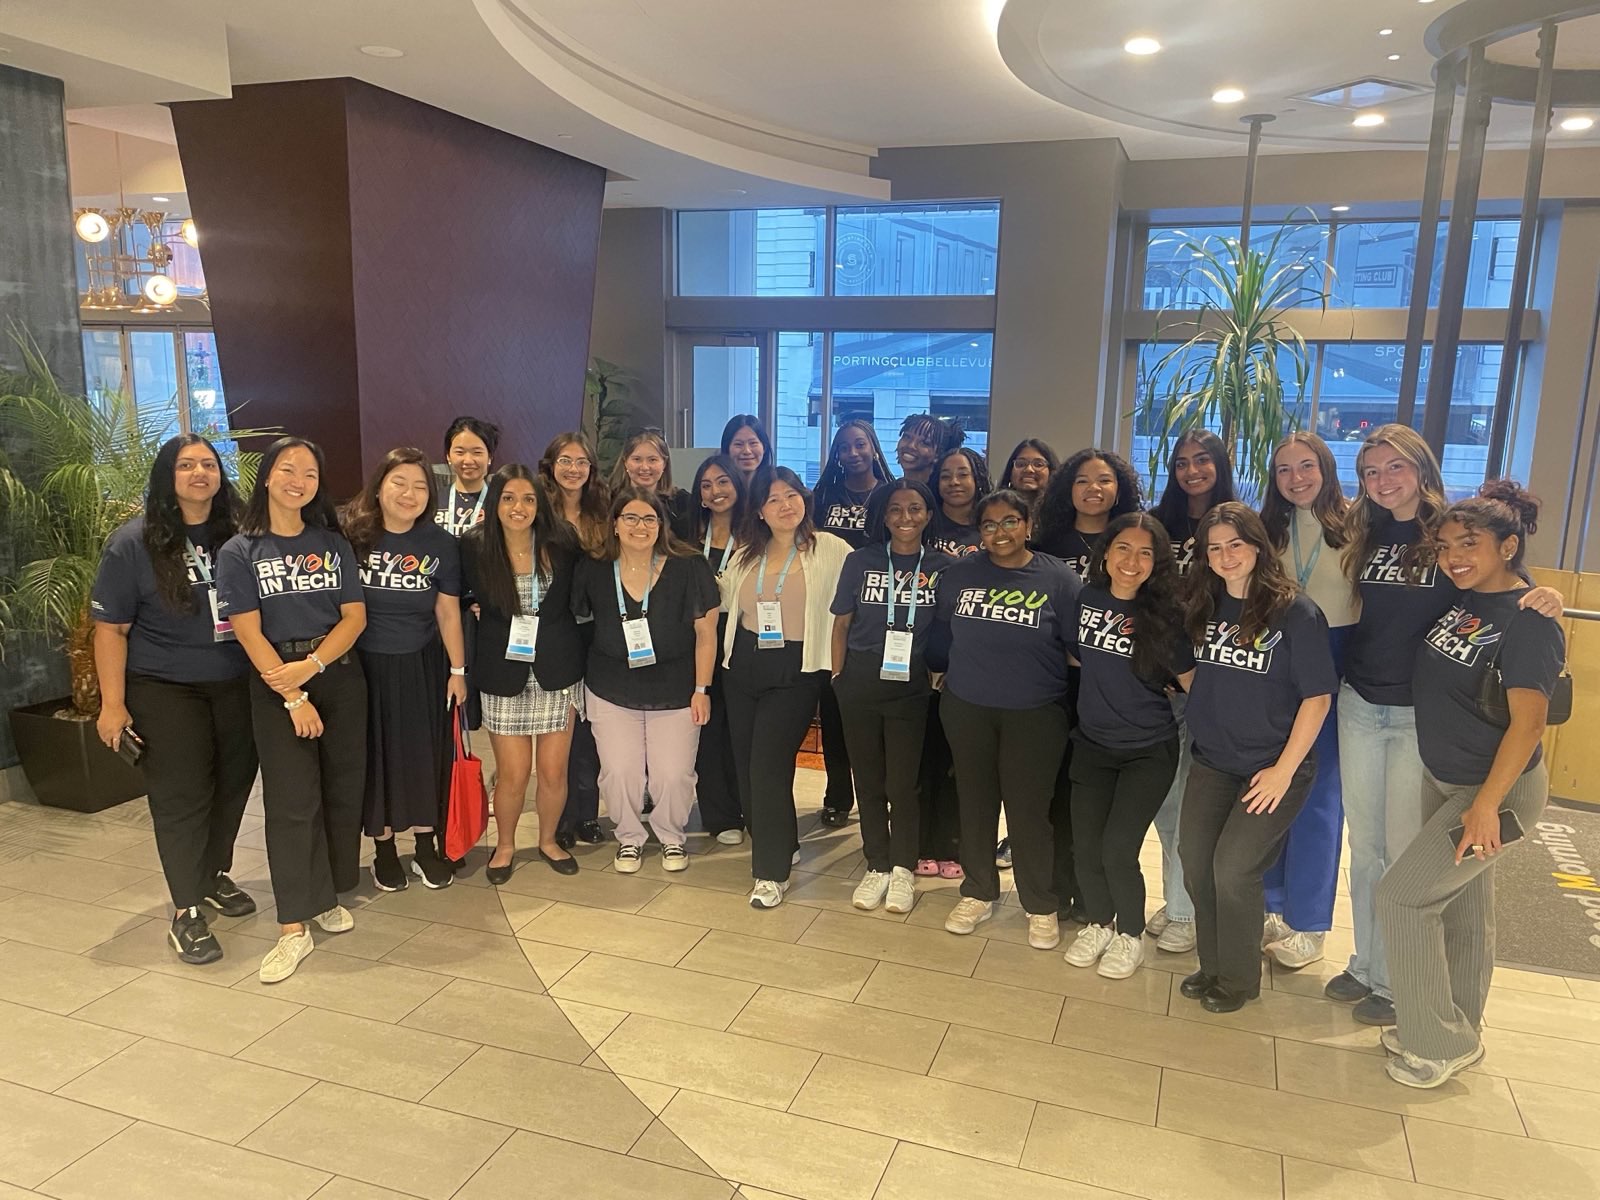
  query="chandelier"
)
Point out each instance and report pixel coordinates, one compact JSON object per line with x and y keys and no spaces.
{"x":129,"y":255}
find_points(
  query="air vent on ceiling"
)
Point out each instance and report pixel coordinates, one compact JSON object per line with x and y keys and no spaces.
{"x":1363,"y":93}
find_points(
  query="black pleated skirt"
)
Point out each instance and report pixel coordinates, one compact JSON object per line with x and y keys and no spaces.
{"x":408,"y":740}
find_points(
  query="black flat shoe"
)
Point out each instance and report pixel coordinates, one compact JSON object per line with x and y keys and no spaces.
{"x":561,"y":866}
{"x":498,"y":875}
{"x":836,"y":818}
{"x":592,"y":833}
{"x":1197,"y":985}
{"x":1219,"y":999}
{"x":566,"y":839}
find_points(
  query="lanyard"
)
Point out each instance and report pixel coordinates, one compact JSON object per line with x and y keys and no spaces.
{"x":622,"y":600}
{"x":1302,"y":571}
{"x":450,"y":513}
{"x":199,"y":563}
{"x":761,"y":580}
{"x":726,"y":550}
{"x":533,"y":573}
{"x":911,"y":613}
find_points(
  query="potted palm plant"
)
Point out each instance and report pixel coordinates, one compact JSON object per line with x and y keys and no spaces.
{"x":608,"y":410}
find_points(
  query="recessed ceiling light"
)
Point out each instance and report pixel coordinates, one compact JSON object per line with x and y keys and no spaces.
{"x":1577,"y":124}
{"x":1142,"y":46}
{"x":1385,"y":32}
{"x":1368,"y":120}
{"x":1394,"y":58}
{"x":1227,"y":96}
{"x":1340,"y":208}
{"x":162,"y":199}
{"x":382,"y":52}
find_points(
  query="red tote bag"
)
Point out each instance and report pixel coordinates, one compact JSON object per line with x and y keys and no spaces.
{"x":468,"y":815}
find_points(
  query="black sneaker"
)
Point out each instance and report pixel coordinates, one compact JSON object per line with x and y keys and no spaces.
{"x":228,"y":898}
{"x":591,"y":832}
{"x":1346,"y":989}
{"x":193,"y":939}
{"x":427,"y":866}
{"x":836,"y":818}
{"x":387,"y":873}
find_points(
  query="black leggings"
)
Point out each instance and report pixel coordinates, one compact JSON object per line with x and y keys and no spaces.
{"x":884,"y":722}
{"x":717,"y":786}
{"x":939,"y":829}
{"x":840,"y":795}
{"x":1115,"y":795}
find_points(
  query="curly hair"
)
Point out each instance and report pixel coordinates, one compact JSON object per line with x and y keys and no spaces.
{"x":1270,"y":593}
{"x":1157,"y":627}
{"x":1504,"y":509}
{"x":1057,"y":514}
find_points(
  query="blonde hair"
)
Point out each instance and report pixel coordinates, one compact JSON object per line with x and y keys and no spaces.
{"x":1366,"y":521}
{"x":619,"y":472}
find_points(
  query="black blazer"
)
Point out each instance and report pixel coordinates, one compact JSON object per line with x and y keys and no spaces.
{"x":558,"y":653}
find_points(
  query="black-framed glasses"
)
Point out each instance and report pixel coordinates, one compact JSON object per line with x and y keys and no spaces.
{"x":1009,"y":524}
{"x":634,"y":520}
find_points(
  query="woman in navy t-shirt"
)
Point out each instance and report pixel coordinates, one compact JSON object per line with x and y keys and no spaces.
{"x":1481,"y":773}
{"x":469,"y":446}
{"x":289,"y":584}
{"x":1092,"y":489}
{"x":961,"y":481}
{"x":1263,"y":683}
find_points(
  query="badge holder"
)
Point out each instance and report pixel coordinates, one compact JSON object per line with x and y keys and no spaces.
{"x":636,"y":633}
{"x":221,"y":630}
{"x":523,"y":638}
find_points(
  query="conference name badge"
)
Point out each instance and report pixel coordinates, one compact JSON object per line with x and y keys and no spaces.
{"x":221,"y":628}
{"x":896,"y":656}
{"x":524,"y":635}
{"x":769,"y":625}
{"x":636,"y":633}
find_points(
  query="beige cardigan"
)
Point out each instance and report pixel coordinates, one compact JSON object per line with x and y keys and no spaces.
{"x":821,"y":563}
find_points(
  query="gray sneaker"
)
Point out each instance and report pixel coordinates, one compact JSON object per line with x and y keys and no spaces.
{"x":1346,"y":988}
{"x":1177,"y":937}
{"x":1417,"y":1072}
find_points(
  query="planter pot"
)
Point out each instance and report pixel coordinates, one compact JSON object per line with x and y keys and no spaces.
{"x":66,"y":764}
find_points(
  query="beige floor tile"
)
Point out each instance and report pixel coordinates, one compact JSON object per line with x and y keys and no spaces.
{"x":503,"y":1017}
{"x":624,"y":935}
{"x":707,"y":1060}
{"x":1556,"y":1114}
{"x":1540,"y":1059}
{"x":360,"y":1053}
{"x":719,"y":871}
{"x":1158,"y":1164}
{"x":340,"y":1188}
{"x":542,"y":1168}
{"x":913,"y":1167}
{"x":781,"y":1152}
{"x":1282,"y":1015}
{"x":1282,"y":1123}
{"x":68,"y":877}
{"x":81,"y":839}
{"x":149,"y":949}
{"x":1023,"y":966}
{"x":375,"y":935}
{"x":1547,"y":985}
{"x":221,"y":1020}
{"x":549,"y":962}
{"x":855,"y":1031}
{"x":836,"y":852}
{"x":832,"y":893}
{"x":930,"y":949}
{"x":1166,"y":1042}
{"x":62,"y":924}
{"x":667,"y":992}
{"x":42,"y":1050}
{"x":1472,"y":1098}
{"x":468,"y":954}
{"x":778,"y":964}
{"x":44,"y":1133}
{"x":223,"y":1098}
{"x":1497,"y":1164}
{"x":1526,"y":1012}
{"x":1009,"y":924}
{"x":1581,"y":989}
{"x":658,"y":1144}
{"x":1307,"y":981}
{"x":381,"y":991}
{"x":412,"y":1148}
{"x":468,"y":907}
{"x":555,"y":1098}
{"x":1319,"y":1181}
{"x":148,"y":1162}
{"x":1060,"y":1075}
{"x":53,"y":980}
{"x":143,"y":853}
{"x":990,"y":1125}
{"x":654,"y":1096}
{"x":998,"y":1006}
{"x":592,"y":888}
{"x":729,"y":911}
{"x":593,"y":1023}
{"x":7,"y":1192}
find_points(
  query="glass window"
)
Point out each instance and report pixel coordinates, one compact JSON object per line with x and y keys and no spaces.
{"x":156,"y":387}
{"x":752,"y":252}
{"x":208,"y":408}
{"x":916,"y":250}
{"x":797,"y":431}
{"x":726,"y":380}
{"x":102,"y":364}
{"x":1172,"y":278}
{"x":885,"y":377}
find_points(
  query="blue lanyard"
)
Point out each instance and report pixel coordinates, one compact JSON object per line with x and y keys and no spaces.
{"x":911,"y":613}
{"x":726,"y":550}
{"x":622,"y":601}
{"x":533,"y":572}
{"x":450,"y":513}
{"x":761,"y":580}
{"x":1302,"y":572}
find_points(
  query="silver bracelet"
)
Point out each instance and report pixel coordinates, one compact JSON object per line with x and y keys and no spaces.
{"x":291,"y":705}
{"x":321,"y":666}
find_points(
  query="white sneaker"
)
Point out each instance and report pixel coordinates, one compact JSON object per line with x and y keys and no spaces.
{"x":336,"y":920}
{"x":283,"y":958}
{"x":902,"y":891}
{"x":968,"y":914}
{"x":628,"y":860}
{"x":674,"y":858}
{"x":1122,"y":957}
{"x":767,"y":893}
{"x":1044,"y":931}
{"x":794,"y":859}
{"x":1158,"y":922}
{"x":1297,"y":950}
{"x":1274,"y":929}
{"x":1417,"y":1072}
{"x":870,"y":891}
{"x":1089,"y":945}
{"x":731,"y":837}
{"x":1177,"y":937}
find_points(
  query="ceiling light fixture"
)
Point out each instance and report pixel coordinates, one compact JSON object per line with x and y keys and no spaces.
{"x":1394,"y":58}
{"x":162,"y":199}
{"x":159,"y":289}
{"x":1340,"y":208}
{"x":1368,"y":121}
{"x":1142,"y":46}
{"x":1577,"y":124}
{"x":1385,"y":32}
{"x":189,"y":233}
{"x":1228,"y":95}
{"x":382,"y":52}
{"x":91,"y":226}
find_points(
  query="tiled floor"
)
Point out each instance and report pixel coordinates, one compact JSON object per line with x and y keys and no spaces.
{"x":607,"y":1036}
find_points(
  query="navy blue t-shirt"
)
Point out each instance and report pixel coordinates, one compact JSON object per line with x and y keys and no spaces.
{"x":947,"y":537}
{"x":1116,"y":708}
{"x":1458,"y":743}
{"x":1246,"y":696}
{"x":1008,"y":645}
{"x":1396,"y":613}
{"x":163,"y":643}
{"x":402,"y":577}
{"x":863,"y":594}
{"x":296,"y":583}
{"x":466,"y":513}
{"x":1073,"y":548}
{"x":1181,"y":533}
{"x":843,"y":513}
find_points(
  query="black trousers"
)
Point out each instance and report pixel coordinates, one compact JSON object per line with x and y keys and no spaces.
{"x":199,"y":764}
{"x":583,"y":779}
{"x":1006,"y":757}
{"x":940,"y":825}
{"x":1225,"y":850}
{"x":1115,"y":796}
{"x":1064,"y":863}
{"x":770,"y":703}
{"x":840,"y":794}
{"x":884,"y":723}
{"x":312,"y":789}
{"x":717,"y":789}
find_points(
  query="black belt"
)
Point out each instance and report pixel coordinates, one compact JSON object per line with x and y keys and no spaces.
{"x":301,"y":649}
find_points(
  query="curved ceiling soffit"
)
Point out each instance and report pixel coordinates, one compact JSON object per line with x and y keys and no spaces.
{"x":675,"y":123}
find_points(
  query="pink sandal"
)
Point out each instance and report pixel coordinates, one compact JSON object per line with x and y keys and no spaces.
{"x":951,"y":870}
{"x":926,"y":866}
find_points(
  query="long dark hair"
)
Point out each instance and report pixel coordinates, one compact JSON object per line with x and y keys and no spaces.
{"x":363,"y":516}
{"x":741,"y":496}
{"x":832,"y":476}
{"x":666,"y":543}
{"x":1157,"y":612}
{"x":593,"y":500}
{"x":878,"y":508}
{"x":317,"y":512}
{"x":757,"y":536}
{"x":486,"y":541}
{"x":1504,"y":509}
{"x":164,"y":536}
{"x":740,"y":421}
{"x":1057,"y":513}
{"x":1328,"y":505}
{"x":981,"y":486}
{"x":1271,"y":590}
{"x":1044,"y":450}
{"x":1172,"y":510}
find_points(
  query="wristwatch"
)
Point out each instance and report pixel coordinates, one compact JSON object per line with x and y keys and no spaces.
{"x":458,"y":670}
{"x":702,"y":689}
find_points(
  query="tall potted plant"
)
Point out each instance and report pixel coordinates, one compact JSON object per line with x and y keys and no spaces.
{"x":1240,"y":366}
{"x":608,"y":410}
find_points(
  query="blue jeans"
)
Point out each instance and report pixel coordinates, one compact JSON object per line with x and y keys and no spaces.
{"x":1174,"y":895}
{"x":1381,"y":772}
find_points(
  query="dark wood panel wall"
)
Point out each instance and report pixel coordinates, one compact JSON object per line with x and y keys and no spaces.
{"x":378,"y":266}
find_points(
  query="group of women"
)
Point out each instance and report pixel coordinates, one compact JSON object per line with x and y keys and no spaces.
{"x":1046,"y":649}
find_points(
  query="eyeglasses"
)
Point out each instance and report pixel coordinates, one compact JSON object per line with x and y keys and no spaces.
{"x":564,"y":461}
{"x":1030,"y":464}
{"x":1009,"y":524}
{"x":634,"y":520}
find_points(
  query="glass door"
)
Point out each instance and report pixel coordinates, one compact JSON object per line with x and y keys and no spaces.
{"x":719,"y":375}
